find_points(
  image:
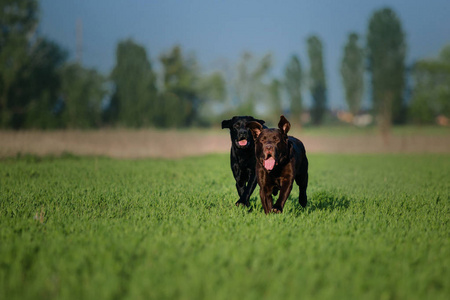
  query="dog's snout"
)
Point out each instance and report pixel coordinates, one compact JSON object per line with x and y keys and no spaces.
{"x":269,"y":148}
{"x":242,"y":134}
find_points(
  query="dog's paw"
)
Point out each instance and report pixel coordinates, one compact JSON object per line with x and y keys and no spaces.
{"x":276,"y":210}
{"x":303,"y":201}
{"x":240,"y":203}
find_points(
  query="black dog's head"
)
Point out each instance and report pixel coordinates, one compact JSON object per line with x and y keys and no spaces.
{"x":241,"y":136}
{"x":272,"y":146}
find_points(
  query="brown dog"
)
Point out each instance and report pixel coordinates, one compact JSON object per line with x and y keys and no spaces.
{"x":280,"y":159}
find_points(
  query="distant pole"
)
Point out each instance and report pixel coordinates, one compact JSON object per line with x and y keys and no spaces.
{"x":79,"y":50}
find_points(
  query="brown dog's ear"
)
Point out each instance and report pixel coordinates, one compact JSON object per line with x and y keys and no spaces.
{"x":284,"y":125}
{"x":255,"y":128}
{"x":226,"y":123}
{"x":259,"y":121}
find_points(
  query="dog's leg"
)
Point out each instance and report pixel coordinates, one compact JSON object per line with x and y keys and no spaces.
{"x":302,"y":181}
{"x":248,"y":191}
{"x":240,"y":188}
{"x":241,"y":191}
{"x":266,"y":199}
{"x":285,"y":190}
{"x":240,"y":183}
{"x":303,"y":185}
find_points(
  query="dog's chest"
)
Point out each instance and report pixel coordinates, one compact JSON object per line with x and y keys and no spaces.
{"x":245,"y":158}
{"x":279,"y":177}
{"x":277,"y":183}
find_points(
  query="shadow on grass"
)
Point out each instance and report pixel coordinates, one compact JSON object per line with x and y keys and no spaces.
{"x":323,"y":201}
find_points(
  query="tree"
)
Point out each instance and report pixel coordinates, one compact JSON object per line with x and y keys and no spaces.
{"x":386,"y":49}
{"x":352,"y":72}
{"x":42,"y":82}
{"x":275,"y":97}
{"x":213,"y":87}
{"x":34,"y":91}
{"x":250,"y":86}
{"x":18,"y":21}
{"x":318,"y":86}
{"x":179,"y":103}
{"x":293,"y":82}
{"x":212,"y":91}
{"x":82,"y":94}
{"x":431,"y":93}
{"x":135,"y":95}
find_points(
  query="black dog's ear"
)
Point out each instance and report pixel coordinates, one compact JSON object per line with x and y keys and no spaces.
{"x":226,"y":123}
{"x":284,"y":125}
{"x":255,"y":128}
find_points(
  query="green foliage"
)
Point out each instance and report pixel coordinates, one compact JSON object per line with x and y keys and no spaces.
{"x":135,"y":100}
{"x":35,"y":92}
{"x":82,"y":91}
{"x":251,"y":86}
{"x":376,"y":226}
{"x":318,"y":86}
{"x":431,"y":96}
{"x":18,"y":20}
{"x":37,"y":89}
{"x":275,"y":100}
{"x":386,"y":48}
{"x":180,"y":99}
{"x":293,"y":82}
{"x":188,"y":96}
{"x":352,"y":72}
{"x":212,"y":90}
{"x":213,"y":87}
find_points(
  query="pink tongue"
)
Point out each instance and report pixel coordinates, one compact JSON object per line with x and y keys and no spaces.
{"x":269,"y":163}
{"x":243,"y":142}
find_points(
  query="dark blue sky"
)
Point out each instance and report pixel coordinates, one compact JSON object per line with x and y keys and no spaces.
{"x":219,"y":31}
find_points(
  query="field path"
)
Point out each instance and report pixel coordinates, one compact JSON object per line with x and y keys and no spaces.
{"x":123,"y":143}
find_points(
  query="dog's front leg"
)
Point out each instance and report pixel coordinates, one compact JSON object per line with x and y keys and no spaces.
{"x":266,"y":199}
{"x":251,"y":185}
{"x":285,"y":191}
{"x":240,"y":183}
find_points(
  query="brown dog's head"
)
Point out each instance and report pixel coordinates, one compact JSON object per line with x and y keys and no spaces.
{"x":271,"y":144}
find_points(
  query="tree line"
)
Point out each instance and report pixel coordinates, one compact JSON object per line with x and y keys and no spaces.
{"x":40,"y":88}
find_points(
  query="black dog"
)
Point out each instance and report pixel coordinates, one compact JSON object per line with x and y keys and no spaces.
{"x":242,"y":156}
{"x":281,"y":159}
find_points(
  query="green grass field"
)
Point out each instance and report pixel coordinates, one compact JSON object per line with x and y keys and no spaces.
{"x":376,"y":227}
